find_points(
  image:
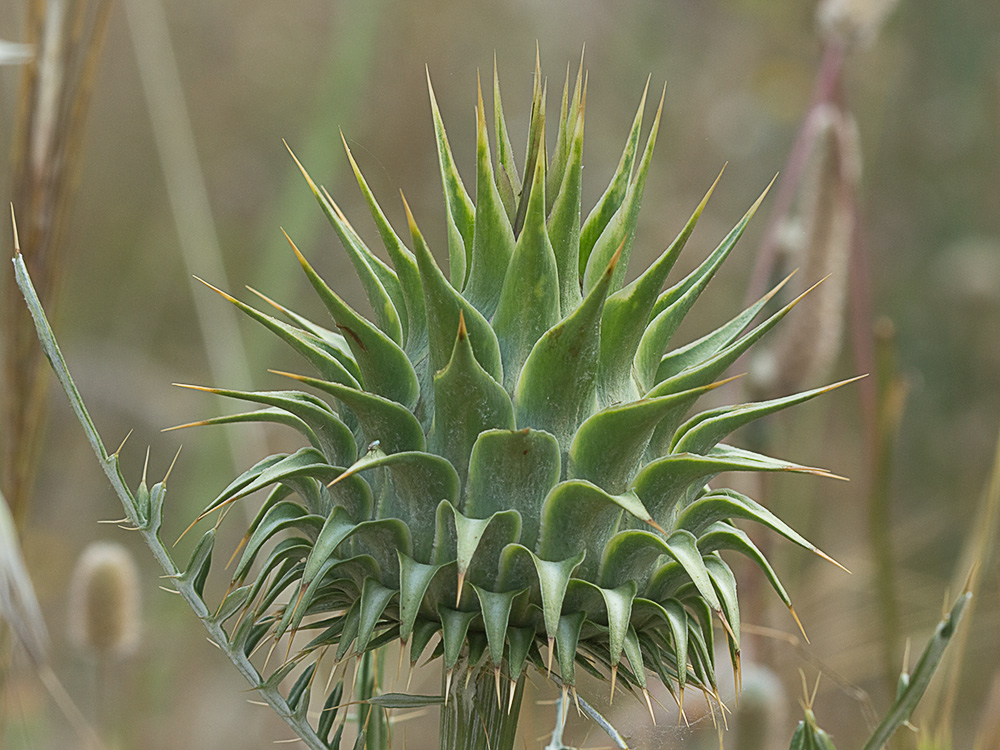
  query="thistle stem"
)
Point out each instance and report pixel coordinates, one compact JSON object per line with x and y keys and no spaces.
{"x":477,"y":716}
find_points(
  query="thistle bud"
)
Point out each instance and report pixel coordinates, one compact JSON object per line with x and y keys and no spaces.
{"x":104,"y":601}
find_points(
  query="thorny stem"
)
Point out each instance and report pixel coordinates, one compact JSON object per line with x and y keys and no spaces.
{"x":184,"y":586}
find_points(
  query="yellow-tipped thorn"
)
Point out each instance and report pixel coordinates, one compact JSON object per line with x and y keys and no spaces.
{"x":510,"y":696}
{"x":243,"y":541}
{"x":171,"y":467}
{"x":726,"y":625}
{"x":13,"y":224}
{"x":829,"y":559}
{"x":145,"y":463}
{"x":548,"y":658}
{"x":496,"y":681}
{"x":399,"y":663}
{"x":614,"y":679}
{"x":409,"y":677}
{"x":447,"y":686}
{"x":576,"y":701}
{"x":652,"y":522}
{"x":125,"y":440}
{"x":798,"y":622}
{"x":458,"y":593}
{"x":649,"y":705}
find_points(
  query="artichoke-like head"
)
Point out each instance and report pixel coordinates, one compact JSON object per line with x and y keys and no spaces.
{"x":501,"y":455}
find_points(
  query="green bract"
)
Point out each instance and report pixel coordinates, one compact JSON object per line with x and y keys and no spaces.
{"x":501,"y":456}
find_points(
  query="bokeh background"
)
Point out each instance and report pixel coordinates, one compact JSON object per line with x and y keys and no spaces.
{"x":924,"y":91}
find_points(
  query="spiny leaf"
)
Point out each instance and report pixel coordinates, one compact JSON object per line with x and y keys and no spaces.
{"x":382,"y":419}
{"x":710,"y":344}
{"x":608,"y":447}
{"x":402,"y":260}
{"x":512,"y":469}
{"x":614,"y":194}
{"x":384,"y":366}
{"x":461,"y":212}
{"x":671,"y":307}
{"x":724,"y":504}
{"x":557,"y":383}
{"x":444,"y":305}
{"x":508,"y":181}
{"x":467,"y":402}
{"x":493,"y":239}
{"x":577,"y":516}
{"x":663,"y":484}
{"x":703,"y":431}
{"x":626,"y":313}
{"x":381,"y":285}
{"x":618,"y":235}
{"x":529,"y":300}
{"x":325,"y":358}
{"x":564,"y":215}
{"x":414,"y":578}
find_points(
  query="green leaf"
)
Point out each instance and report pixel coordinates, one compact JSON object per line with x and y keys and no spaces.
{"x":414,"y":578}
{"x":683,"y":357}
{"x":305,"y":462}
{"x":721,"y":535}
{"x":629,"y":555}
{"x":529,"y":299}
{"x":567,"y":638}
{"x":508,"y":182}
{"x":384,"y":366}
{"x":466,"y":540}
{"x":454,"y":626}
{"x":707,"y":371}
{"x":405,"y":700}
{"x":626,"y":315}
{"x":374,"y":599}
{"x":614,"y":194}
{"x":404,"y":263}
{"x":493,"y":238}
{"x":703,"y":431}
{"x":335,"y":438}
{"x":444,"y":305}
{"x":618,"y":235}
{"x":569,"y":115}
{"x":674,"y":304}
{"x":495,"y":608}
{"x":196,"y":572}
{"x":666,"y":483}
{"x":381,"y":285}
{"x":557,"y":384}
{"x":382,"y":419}
{"x":725,"y":586}
{"x":725,"y":504}
{"x":512,"y":469}
{"x":282,"y":516}
{"x":460,"y":209}
{"x":904,"y":705}
{"x":578,"y":516}
{"x":535,"y":149}
{"x":552,"y":576}
{"x":520,"y":641}
{"x":564,"y":215}
{"x":420,"y":481}
{"x":467,"y":401}
{"x":327,"y":359}
{"x":608,"y":447}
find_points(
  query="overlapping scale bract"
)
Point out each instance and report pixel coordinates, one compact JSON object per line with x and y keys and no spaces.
{"x":503,"y":462}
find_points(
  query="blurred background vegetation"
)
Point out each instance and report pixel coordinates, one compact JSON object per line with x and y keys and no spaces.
{"x":925,"y":96}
